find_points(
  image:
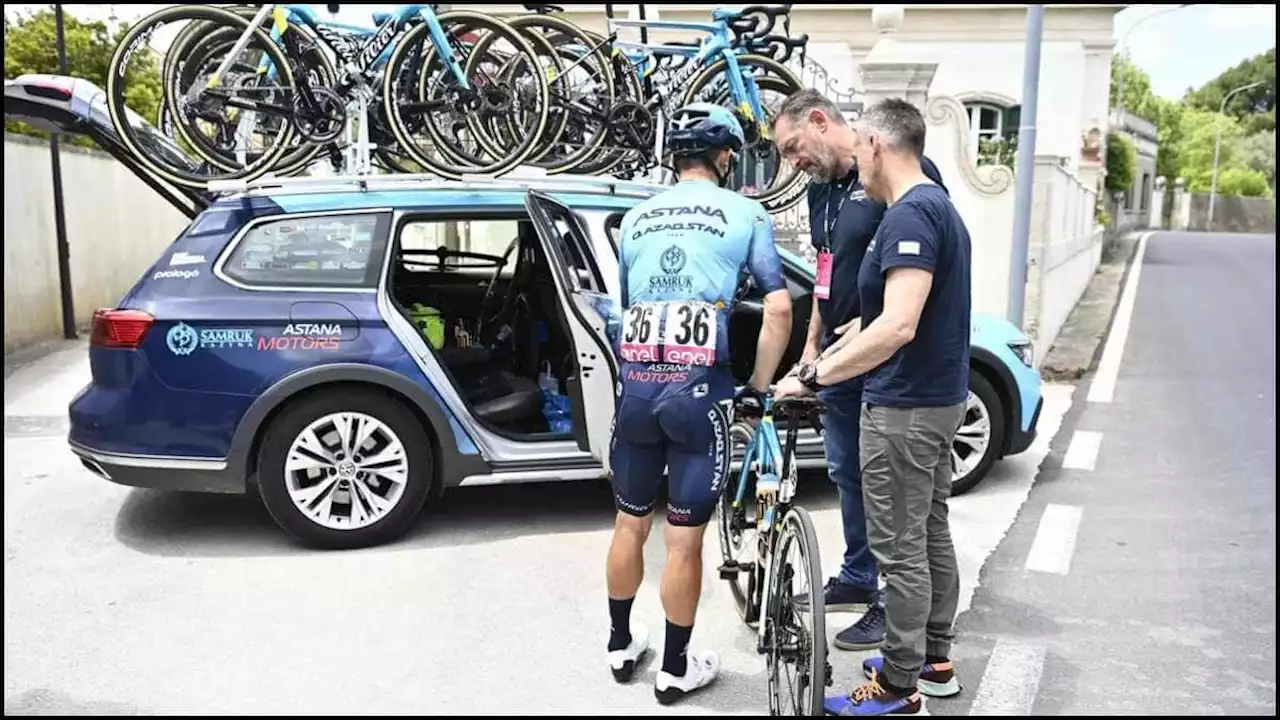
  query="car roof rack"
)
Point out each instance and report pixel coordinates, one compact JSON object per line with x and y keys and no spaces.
{"x":521,"y":178}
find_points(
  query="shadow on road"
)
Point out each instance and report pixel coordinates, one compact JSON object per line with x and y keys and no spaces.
{"x":201,"y":525}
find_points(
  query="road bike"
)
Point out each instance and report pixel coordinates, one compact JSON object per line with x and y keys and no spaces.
{"x":439,"y":54}
{"x":763,"y":583}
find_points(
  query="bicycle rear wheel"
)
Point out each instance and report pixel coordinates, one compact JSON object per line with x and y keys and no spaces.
{"x":796,"y":637}
{"x":738,"y":539}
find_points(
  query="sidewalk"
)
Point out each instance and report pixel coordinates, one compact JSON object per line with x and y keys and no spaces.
{"x":39,"y":384}
{"x":1079,"y":343}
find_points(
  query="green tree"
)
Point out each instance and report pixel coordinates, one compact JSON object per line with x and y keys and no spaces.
{"x":1256,"y":107}
{"x":30,"y":46}
{"x":1122,"y":163}
{"x":1199,"y":130}
{"x":1138,"y":97}
{"x":1259,"y":154}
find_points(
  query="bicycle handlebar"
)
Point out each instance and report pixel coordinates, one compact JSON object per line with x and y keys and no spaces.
{"x":758,"y":20}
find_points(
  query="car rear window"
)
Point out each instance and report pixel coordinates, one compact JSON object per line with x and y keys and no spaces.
{"x":313,"y":251}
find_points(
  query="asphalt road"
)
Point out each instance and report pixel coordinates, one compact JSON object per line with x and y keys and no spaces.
{"x":127,"y":601}
{"x":1141,"y":579}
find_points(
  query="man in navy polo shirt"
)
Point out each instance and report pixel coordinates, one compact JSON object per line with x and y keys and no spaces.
{"x":813,"y":135}
{"x":914,"y":289}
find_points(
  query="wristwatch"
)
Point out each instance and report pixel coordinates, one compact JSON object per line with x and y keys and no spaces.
{"x":808,"y":376}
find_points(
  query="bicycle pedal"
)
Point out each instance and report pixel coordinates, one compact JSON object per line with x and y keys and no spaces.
{"x":730,"y":570}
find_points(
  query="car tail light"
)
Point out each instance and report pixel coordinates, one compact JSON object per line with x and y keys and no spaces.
{"x":120,"y":328}
{"x":48,"y":90}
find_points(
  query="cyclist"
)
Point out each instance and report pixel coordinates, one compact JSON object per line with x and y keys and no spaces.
{"x":682,"y":256}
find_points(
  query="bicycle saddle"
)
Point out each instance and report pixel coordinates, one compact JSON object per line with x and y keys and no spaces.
{"x":543,"y":9}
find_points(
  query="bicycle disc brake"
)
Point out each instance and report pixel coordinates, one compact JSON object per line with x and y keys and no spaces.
{"x":323,"y":122}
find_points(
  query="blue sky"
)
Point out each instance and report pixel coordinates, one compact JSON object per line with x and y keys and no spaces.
{"x":1192,"y":45}
{"x":1184,"y":47}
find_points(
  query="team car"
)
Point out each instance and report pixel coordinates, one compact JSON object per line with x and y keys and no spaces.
{"x":341,"y":347}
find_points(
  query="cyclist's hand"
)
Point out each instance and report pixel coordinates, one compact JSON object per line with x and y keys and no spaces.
{"x":790,"y":386}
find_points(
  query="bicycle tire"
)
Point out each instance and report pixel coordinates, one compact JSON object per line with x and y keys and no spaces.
{"x":390,"y":98}
{"x":724,"y":520}
{"x":321,"y":72}
{"x":788,"y":196}
{"x":772,"y":199}
{"x":798,"y":525}
{"x":551,"y":133}
{"x":573,"y":33}
{"x":119,"y":111}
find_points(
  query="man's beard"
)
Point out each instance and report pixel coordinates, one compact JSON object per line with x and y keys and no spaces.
{"x":826,"y":166}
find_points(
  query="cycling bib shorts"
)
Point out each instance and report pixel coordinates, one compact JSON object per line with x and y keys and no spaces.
{"x":683,"y":254}
{"x":673,"y":418}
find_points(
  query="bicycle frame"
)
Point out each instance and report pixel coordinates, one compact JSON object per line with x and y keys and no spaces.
{"x":365,"y":60}
{"x":718,"y":45}
{"x":765,"y":452}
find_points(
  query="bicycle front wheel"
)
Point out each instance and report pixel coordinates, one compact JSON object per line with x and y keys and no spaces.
{"x":796,"y":638}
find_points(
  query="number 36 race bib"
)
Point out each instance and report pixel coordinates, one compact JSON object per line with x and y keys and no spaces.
{"x":688,"y":335}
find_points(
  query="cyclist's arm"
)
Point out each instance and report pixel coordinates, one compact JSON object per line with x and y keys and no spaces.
{"x":775,"y":332}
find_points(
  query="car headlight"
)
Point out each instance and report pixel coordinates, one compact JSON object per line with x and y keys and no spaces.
{"x":1025,"y":351}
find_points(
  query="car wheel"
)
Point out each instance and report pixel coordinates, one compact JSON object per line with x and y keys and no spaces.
{"x":980,"y":437}
{"x":345,"y":470}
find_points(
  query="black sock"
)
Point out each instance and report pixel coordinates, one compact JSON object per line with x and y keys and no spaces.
{"x":934,"y":659}
{"x":675,"y":659}
{"x":619,"y":623}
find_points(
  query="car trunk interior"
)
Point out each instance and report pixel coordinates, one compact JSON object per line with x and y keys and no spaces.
{"x":496,"y":328}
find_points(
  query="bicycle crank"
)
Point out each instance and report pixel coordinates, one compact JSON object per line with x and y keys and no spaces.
{"x":322,"y":122}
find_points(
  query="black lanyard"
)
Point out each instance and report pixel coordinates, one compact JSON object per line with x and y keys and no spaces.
{"x":829,"y":221}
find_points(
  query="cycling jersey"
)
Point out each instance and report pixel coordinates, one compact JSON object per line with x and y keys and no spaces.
{"x":682,"y":257}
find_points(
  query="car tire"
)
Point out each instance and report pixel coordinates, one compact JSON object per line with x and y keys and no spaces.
{"x":393,"y":423}
{"x":988,"y":402}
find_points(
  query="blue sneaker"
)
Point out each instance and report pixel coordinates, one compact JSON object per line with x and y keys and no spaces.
{"x":839,"y":597}
{"x":873,"y":698}
{"x":867,"y":633}
{"x":937,"y":680}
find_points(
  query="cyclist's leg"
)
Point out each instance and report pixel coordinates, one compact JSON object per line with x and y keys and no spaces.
{"x":637,"y":457}
{"x":698,"y":462}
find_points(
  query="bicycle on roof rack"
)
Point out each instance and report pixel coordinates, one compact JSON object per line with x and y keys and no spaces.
{"x":256,"y":108}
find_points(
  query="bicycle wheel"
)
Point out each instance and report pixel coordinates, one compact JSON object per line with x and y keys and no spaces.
{"x":170,"y":158}
{"x":581,"y":93}
{"x":712,"y":84}
{"x":796,"y":637}
{"x":201,"y":43}
{"x":476,"y":105}
{"x":738,"y":537}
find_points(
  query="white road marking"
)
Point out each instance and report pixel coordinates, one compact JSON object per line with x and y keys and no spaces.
{"x":1104,"y":381}
{"x":1055,"y":541}
{"x":1012,"y":680}
{"x":1082,"y":453}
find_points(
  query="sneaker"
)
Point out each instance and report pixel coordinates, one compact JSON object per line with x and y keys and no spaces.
{"x":938,"y":680}
{"x":840,"y":597}
{"x":623,"y":662}
{"x":701,"y":671}
{"x":866,"y":634}
{"x":873,"y":698}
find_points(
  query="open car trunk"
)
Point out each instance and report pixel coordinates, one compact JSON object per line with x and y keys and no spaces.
{"x":74,"y":106}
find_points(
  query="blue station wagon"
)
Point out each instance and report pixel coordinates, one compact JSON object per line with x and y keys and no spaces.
{"x":351,"y":348}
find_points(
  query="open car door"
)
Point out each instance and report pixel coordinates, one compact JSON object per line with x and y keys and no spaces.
{"x":75,"y":106}
{"x":583,"y":301}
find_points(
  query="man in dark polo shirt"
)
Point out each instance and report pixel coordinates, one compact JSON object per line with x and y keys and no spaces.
{"x":914,"y":289}
{"x":813,"y":135}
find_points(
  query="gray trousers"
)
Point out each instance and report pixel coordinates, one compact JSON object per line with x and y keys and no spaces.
{"x":906,"y":481}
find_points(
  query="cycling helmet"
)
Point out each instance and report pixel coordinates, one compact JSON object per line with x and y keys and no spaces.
{"x":699,"y":128}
